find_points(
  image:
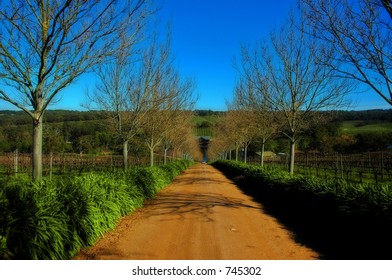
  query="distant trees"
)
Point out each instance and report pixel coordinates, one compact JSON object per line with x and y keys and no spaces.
{"x":227,"y":135}
{"x":169,"y":96}
{"x":263,"y":119}
{"x":46,"y":45}
{"x":234,"y":131}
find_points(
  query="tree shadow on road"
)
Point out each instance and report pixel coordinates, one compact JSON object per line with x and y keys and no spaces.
{"x":175,"y":205}
{"x":318,"y":225}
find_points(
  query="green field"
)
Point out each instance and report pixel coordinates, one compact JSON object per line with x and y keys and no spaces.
{"x":362,"y":127}
{"x":204,"y":124}
{"x":204,"y":120}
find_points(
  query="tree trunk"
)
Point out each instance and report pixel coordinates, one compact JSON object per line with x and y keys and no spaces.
{"x":51,"y":165}
{"x":16,"y":162}
{"x":245,"y":152}
{"x":292,"y":155}
{"x":262,"y":153}
{"x":165,"y":156}
{"x":37,"y":147}
{"x":151,"y":147}
{"x":236,"y":152}
{"x":125,"y":155}
{"x":151,"y":156}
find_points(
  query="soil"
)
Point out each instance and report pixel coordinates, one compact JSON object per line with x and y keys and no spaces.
{"x":202,"y":215}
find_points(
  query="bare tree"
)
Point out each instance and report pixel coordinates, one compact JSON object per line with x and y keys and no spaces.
{"x":179,"y":135}
{"x":253,"y":101}
{"x":222,"y":144}
{"x":388,"y":6}
{"x":46,"y":44}
{"x":234,"y":131}
{"x":361,"y":35}
{"x":294,"y":82}
{"x":117,"y":92}
{"x":167,"y":93}
{"x":243,"y":128}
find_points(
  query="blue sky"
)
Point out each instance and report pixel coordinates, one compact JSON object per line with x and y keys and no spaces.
{"x":206,"y":37}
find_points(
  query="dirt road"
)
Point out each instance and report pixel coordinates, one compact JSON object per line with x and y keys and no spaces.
{"x":201,"y":215}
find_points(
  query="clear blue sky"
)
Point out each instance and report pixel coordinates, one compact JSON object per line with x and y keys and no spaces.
{"x":206,"y":36}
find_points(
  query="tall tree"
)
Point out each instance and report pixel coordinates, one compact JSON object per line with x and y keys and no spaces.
{"x":167,"y":94}
{"x":361,"y":35}
{"x":294,"y":82}
{"x":117,"y":92}
{"x":46,"y":44}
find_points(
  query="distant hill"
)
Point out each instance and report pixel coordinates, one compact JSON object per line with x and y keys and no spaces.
{"x":51,"y":116}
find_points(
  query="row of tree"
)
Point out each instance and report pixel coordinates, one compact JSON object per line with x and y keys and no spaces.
{"x":320,"y":54}
{"x":146,"y":97}
{"x":45,"y":45}
{"x":96,"y":137}
{"x":237,"y":136}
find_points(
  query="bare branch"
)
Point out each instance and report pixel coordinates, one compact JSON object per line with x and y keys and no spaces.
{"x":360,"y":34}
{"x":46,"y":44}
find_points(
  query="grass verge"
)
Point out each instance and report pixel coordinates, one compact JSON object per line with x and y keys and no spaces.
{"x":337,"y":219}
{"x":54,"y":219}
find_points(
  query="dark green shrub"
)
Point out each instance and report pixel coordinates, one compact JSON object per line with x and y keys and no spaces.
{"x":174,"y":168}
{"x":150,"y":180}
{"x":346,"y":198}
{"x":171,"y":170}
{"x":37,"y":228}
{"x":4,"y":220}
{"x":55,"y":219}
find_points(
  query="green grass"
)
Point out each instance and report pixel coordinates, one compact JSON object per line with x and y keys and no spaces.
{"x":204,"y":124}
{"x":362,"y":127}
{"x":210,"y":119}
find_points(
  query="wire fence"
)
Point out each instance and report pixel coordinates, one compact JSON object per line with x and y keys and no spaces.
{"x":372,"y":167}
{"x":61,"y":164}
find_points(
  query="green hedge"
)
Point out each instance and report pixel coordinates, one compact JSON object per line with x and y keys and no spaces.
{"x":54,"y":219}
{"x":349,"y":198}
{"x":337,"y":219}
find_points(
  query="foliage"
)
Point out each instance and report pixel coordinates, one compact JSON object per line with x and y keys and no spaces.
{"x":359,"y":200}
{"x":54,"y":219}
{"x":36,"y":224}
{"x":149,"y":180}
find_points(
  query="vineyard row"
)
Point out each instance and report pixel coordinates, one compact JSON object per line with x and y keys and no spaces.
{"x":359,"y":168}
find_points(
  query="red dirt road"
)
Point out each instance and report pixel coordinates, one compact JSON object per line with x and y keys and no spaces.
{"x":202,"y":215}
